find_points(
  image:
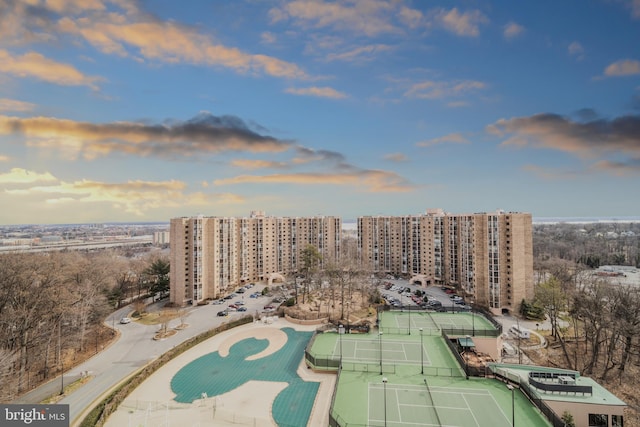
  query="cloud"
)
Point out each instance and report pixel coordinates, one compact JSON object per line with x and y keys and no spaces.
{"x":634,"y":5}
{"x":335,"y":170}
{"x":134,"y":197}
{"x":396,"y":157}
{"x":308,"y":155}
{"x":35,"y":65}
{"x":623,"y":67}
{"x":374,"y":181}
{"x":452,"y":138}
{"x":172,"y":43}
{"x":431,"y":89}
{"x":368,"y":17}
{"x":512,"y":30}
{"x":15,"y":105}
{"x":322,"y":92}
{"x":622,"y":169}
{"x":575,"y":49}
{"x":462,"y":24}
{"x":203,"y":134}
{"x":586,"y":139}
{"x":410,"y":17}
{"x":258,"y":164}
{"x":23,"y":176}
{"x":359,"y":54}
{"x":268,"y":37}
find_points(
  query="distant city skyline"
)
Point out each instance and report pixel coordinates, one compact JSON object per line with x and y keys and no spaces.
{"x":113,"y":111}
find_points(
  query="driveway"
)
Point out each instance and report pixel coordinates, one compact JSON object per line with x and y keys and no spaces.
{"x":133,"y":350}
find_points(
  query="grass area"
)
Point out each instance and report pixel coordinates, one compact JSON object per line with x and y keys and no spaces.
{"x":67,"y":390}
{"x":157,"y":318}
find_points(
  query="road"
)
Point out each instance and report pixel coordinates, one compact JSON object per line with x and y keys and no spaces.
{"x":133,"y":350}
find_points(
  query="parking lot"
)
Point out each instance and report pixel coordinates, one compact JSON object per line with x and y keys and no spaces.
{"x":400,"y":294}
{"x":248,"y":299}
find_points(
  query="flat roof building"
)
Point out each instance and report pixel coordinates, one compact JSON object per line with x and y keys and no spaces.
{"x":488,"y":255}
{"x":211,"y":256}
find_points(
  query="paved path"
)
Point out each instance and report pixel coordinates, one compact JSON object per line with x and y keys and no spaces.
{"x":132,"y":351}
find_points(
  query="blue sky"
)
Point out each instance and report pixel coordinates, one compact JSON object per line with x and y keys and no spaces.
{"x":144,"y":111}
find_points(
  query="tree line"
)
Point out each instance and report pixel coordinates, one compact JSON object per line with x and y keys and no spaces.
{"x":595,"y":321}
{"x":53,"y":305}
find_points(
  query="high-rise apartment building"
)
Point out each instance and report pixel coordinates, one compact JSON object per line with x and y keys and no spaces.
{"x":211,"y":256}
{"x":488,"y":255}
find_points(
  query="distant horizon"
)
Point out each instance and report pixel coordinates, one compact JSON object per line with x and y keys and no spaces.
{"x":535,"y":220}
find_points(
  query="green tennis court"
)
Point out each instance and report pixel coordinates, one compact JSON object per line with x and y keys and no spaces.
{"x":399,"y":352}
{"x":410,"y":405}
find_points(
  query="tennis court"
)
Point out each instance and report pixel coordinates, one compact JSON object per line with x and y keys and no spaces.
{"x":405,"y":322}
{"x":405,"y":405}
{"x":398,"y":352}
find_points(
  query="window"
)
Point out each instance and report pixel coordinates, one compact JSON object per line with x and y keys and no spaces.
{"x":616,"y":421}
{"x":598,"y":420}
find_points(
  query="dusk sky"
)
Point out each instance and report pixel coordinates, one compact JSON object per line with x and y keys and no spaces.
{"x":145,"y":111}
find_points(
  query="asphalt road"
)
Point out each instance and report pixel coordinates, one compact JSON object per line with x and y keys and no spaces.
{"x":133,"y":350}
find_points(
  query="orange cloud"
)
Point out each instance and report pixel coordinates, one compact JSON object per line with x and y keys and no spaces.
{"x":462,"y":24}
{"x":431,"y":89}
{"x":375,"y":181}
{"x":512,"y":30}
{"x":257,"y":164}
{"x":590,"y":139}
{"x":204,"y":133}
{"x":37,"y":66}
{"x":359,"y":54}
{"x":322,"y":92}
{"x":170,"y":42}
{"x":452,"y":138}
{"x":15,"y":105}
{"x":624,"y":67}
{"x":396,"y":157}
{"x":368,"y":17}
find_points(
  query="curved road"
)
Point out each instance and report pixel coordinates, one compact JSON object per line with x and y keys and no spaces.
{"x":133,"y":350}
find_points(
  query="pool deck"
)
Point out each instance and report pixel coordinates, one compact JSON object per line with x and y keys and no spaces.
{"x":250,"y":404}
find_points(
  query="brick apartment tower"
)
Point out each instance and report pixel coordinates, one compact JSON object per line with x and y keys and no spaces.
{"x":211,"y":256}
{"x":489,"y":256}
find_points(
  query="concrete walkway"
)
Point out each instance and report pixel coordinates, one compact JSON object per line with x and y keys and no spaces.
{"x":248,"y":405}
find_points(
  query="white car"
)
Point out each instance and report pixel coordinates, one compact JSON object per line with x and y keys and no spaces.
{"x":125,"y":320}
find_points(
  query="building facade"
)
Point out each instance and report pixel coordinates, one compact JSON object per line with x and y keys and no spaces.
{"x":211,"y":256}
{"x":489,"y":256}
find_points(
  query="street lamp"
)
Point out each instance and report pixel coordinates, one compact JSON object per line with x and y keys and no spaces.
{"x":380,"y":339}
{"x":409,"y":308}
{"x":421,"y":354}
{"x":340,"y":332}
{"x":384,"y":385}
{"x":513,"y":410}
{"x":473,"y":321}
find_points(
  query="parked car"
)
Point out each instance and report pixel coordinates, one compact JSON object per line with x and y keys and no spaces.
{"x":269,"y":307}
{"x":223,"y":313}
{"x":125,"y":320}
{"x":218,"y":301}
{"x":242,"y":308}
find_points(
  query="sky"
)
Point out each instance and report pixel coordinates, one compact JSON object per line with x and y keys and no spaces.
{"x":125,"y":111}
